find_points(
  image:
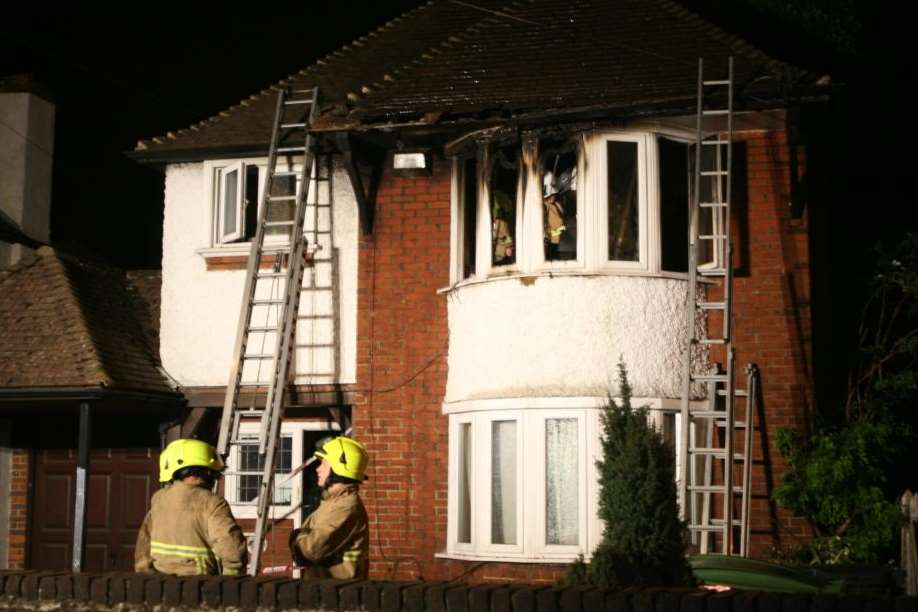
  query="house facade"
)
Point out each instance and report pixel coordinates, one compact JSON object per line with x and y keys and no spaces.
{"x":467,"y":310}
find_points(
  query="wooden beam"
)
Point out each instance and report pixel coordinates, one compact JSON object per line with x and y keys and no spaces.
{"x":82,"y":489}
{"x":363,"y":193}
{"x":193,"y":422}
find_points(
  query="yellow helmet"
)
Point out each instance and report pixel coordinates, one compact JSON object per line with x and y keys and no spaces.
{"x":348,"y":458}
{"x":186,"y":453}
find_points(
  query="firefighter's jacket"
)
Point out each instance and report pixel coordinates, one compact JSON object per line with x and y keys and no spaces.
{"x":189,"y":531}
{"x":334,"y":541}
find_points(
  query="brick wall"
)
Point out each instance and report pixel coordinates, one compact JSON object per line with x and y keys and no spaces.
{"x":772,"y":325}
{"x":57,"y":591}
{"x":19,"y":507}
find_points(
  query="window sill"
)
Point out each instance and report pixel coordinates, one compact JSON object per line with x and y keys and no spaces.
{"x":235,"y":256}
{"x":499,"y":558}
{"x":528,"y":278}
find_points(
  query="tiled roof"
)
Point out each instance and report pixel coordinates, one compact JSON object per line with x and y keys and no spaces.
{"x":500,"y":58}
{"x":70,"y":322}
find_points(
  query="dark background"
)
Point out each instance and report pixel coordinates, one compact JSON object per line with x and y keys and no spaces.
{"x":117,"y":78}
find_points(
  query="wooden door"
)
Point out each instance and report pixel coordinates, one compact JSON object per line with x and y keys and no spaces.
{"x":121,"y":482}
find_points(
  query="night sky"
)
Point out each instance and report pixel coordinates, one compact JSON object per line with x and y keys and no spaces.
{"x":116,"y":79}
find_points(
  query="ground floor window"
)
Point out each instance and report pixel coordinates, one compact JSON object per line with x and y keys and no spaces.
{"x":523,"y":481}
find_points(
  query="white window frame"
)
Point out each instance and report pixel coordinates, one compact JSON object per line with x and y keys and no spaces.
{"x":536,"y":238}
{"x":294,"y":429}
{"x":453,"y":484}
{"x":221,"y":236}
{"x":485,"y":456}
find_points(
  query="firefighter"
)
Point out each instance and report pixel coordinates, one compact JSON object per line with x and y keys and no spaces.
{"x":189,"y":531}
{"x":334,"y":540}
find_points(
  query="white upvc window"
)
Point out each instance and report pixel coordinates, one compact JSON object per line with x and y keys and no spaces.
{"x":519,"y":484}
{"x":602,"y":201}
{"x":236,"y":189}
{"x":245,"y":465}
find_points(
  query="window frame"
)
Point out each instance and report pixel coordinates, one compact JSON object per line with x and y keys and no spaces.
{"x":485,"y":429}
{"x":293,"y":429}
{"x":220,"y":235}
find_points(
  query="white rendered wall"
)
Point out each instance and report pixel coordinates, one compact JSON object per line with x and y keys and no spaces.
{"x":200,"y":308}
{"x":26,"y":158}
{"x":563,"y":335}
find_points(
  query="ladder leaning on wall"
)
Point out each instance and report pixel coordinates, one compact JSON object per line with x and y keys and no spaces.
{"x":716,"y":436}
{"x":266,"y":334}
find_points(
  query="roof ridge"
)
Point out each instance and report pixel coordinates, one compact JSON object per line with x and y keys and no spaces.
{"x":428,"y":54}
{"x":339,"y":52}
{"x":56,"y":259}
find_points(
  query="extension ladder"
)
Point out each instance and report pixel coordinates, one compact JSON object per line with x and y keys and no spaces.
{"x":716,"y":437}
{"x":271,"y":297}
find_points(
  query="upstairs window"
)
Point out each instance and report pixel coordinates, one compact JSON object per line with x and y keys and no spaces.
{"x":674,"y":204}
{"x":468,"y":229}
{"x":503,"y":188}
{"x":623,"y":214}
{"x":558,"y":171}
{"x":237,"y":202}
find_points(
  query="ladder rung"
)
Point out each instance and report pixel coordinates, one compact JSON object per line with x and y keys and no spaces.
{"x":710,"y":378}
{"x":271,"y":274}
{"x":288,"y":126}
{"x":736,"y":392}
{"x":286,"y":173}
{"x":291,"y":150}
{"x":260,"y":329}
{"x":717,"y":82}
{"x":315,"y":317}
{"x":714,"y":173}
{"x":712,"y":341}
{"x":705,"y":528}
{"x":712,"y":489}
{"x":715,"y":112}
{"x":258,"y":356}
{"x":717,"y":141}
{"x":290,"y":198}
{"x":316,"y":345}
{"x":292,"y":102}
{"x":712,"y":305}
{"x":278,"y":224}
{"x":719,"y":453}
{"x":712,"y":236}
{"x":713,"y":204}
{"x":264,"y":302}
{"x":713,"y":272}
{"x":719,"y":522}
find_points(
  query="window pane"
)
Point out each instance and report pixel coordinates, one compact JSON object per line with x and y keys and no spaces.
{"x":623,"y":201}
{"x":251,"y":467}
{"x":503,"y":482}
{"x":562,"y":491}
{"x":674,"y":205}
{"x":464,"y":519}
{"x":250,"y":214}
{"x":230,"y":196}
{"x":505,"y":175}
{"x":469,"y":215}
{"x":558,"y":165}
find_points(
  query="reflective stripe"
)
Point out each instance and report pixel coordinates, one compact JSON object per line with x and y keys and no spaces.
{"x":352,"y":555}
{"x":558,"y":231}
{"x":204,"y":558}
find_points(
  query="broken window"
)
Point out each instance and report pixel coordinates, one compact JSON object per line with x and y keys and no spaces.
{"x":623,"y":214}
{"x":674,"y":204}
{"x":469,"y":201}
{"x":558,"y":171}
{"x":503,"y":184}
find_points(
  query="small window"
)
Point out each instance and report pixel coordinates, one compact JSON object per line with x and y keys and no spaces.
{"x":469,"y":215}
{"x":237,"y":202}
{"x":503,"y":185}
{"x":251,"y":466}
{"x":558,"y":171}
{"x":674,"y":205}
{"x":623,"y":214}
{"x":503,"y":482}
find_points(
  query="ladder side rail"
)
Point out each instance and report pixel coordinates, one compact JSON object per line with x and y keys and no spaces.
{"x":295,"y":265}
{"x":707,"y":496}
{"x":751,"y":391}
{"x":232,"y":387}
{"x":728,"y":200}
{"x":729,"y":455}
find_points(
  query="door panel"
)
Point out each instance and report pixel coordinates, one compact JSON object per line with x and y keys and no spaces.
{"x":121,"y":482}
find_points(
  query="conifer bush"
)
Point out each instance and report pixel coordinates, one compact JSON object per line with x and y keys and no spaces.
{"x":643,"y":543}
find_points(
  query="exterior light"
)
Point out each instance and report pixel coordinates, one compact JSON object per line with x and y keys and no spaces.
{"x":410,"y":161}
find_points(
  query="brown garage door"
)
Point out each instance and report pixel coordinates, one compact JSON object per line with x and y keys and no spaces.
{"x":121,"y":482}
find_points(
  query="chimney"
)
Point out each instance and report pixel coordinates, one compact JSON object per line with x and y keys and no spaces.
{"x":26,"y":159}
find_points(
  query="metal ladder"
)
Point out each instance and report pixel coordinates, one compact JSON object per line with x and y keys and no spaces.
{"x":715,"y":474}
{"x":271,"y":297}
